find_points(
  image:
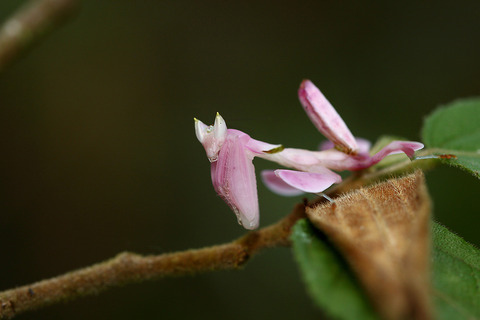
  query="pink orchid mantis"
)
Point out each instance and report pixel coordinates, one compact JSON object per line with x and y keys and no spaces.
{"x":231,"y":153}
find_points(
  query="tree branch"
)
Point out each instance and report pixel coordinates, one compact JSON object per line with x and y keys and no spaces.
{"x":129,"y":267}
{"x":29,"y":24}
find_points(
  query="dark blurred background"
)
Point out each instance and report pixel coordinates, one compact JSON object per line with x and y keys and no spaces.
{"x":99,"y":153}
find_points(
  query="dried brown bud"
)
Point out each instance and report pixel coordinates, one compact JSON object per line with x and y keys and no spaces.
{"x":383,"y":232}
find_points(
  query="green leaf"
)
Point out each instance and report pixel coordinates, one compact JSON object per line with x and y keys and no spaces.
{"x":456,"y":276}
{"x":329,"y":280}
{"x":455,"y":129}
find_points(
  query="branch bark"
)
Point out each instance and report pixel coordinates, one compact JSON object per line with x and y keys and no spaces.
{"x":129,"y":267}
{"x":30,"y":23}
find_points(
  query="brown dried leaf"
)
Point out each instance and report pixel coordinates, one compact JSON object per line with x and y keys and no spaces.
{"x":383,"y":232}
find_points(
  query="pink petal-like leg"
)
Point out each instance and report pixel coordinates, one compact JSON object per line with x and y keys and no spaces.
{"x":277,"y":185}
{"x":309,"y":181}
{"x":326,"y":118}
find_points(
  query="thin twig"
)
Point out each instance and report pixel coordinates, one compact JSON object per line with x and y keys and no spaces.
{"x":30,"y":23}
{"x":131,"y":268}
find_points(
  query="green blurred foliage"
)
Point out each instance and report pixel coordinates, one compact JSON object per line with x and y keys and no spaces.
{"x":455,"y":129}
{"x":455,"y":276}
{"x":327,"y":276}
{"x":99,"y":152}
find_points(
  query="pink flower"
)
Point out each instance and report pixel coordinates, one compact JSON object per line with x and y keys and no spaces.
{"x":231,"y":153}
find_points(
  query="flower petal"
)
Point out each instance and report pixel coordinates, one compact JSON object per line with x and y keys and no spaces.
{"x":325,"y":118}
{"x":233,"y":177}
{"x":309,"y":181}
{"x":277,"y":185}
